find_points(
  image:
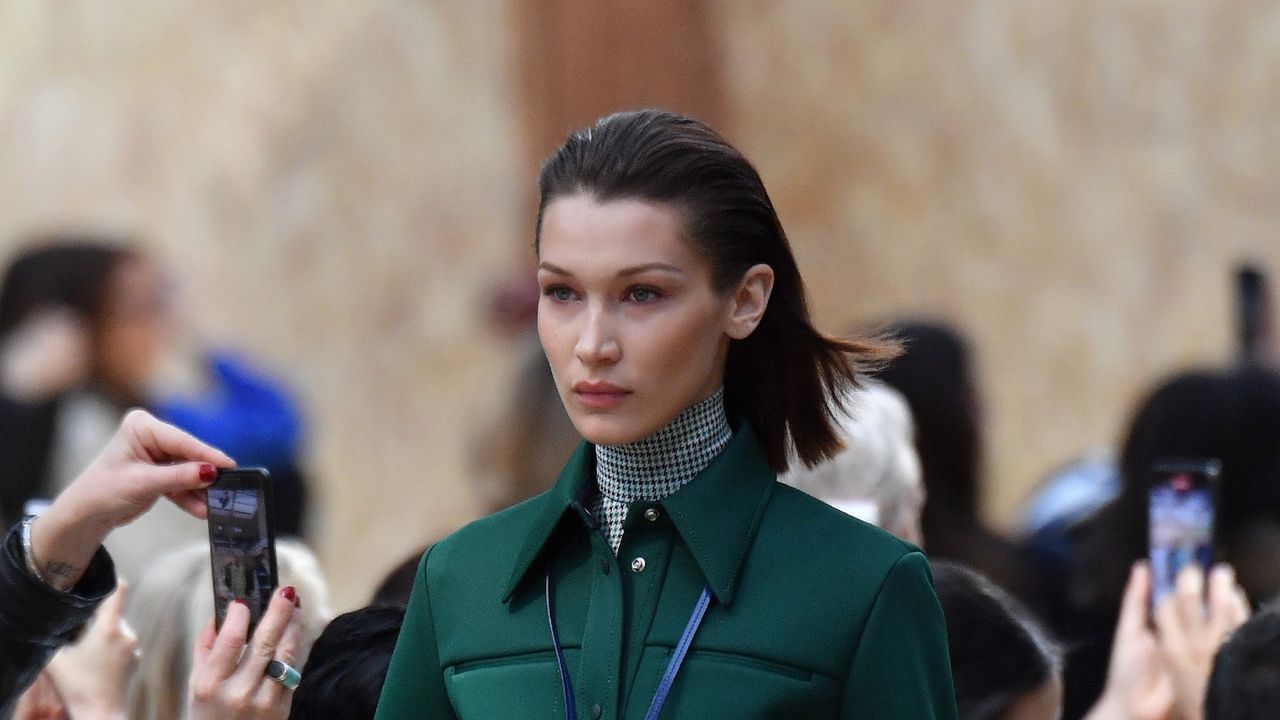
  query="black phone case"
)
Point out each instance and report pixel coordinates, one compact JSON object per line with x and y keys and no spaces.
{"x":260,"y":479}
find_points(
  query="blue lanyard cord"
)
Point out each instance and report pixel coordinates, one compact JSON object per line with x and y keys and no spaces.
{"x":570,"y":711}
{"x":677,"y":656}
{"x":668,"y":677}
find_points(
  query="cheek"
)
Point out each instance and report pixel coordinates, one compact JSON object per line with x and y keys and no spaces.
{"x":552,"y":335}
{"x":682,"y":347}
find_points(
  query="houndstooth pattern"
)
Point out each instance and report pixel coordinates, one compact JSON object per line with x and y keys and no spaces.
{"x":659,"y":465}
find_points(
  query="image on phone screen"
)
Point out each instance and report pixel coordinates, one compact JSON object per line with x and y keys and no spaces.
{"x":241,"y":546}
{"x":1181,"y":520}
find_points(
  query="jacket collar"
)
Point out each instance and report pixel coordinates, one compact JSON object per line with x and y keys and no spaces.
{"x":716,"y":514}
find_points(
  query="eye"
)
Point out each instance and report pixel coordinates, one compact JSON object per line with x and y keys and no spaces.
{"x":559,"y":293}
{"x":643,"y":295}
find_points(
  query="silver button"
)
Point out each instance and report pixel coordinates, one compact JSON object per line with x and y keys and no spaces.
{"x":651,"y":514}
{"x":637,"y":565}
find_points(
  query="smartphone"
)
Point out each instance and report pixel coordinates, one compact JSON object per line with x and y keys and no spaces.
{"x":242,"y":547}
{"x":1253,"y":310}
{"x":1181,"y":519}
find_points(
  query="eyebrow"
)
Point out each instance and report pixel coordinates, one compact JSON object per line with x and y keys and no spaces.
{"x":625,"y":272}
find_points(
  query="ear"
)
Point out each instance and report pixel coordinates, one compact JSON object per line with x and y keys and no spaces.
{"x":749,"y":300}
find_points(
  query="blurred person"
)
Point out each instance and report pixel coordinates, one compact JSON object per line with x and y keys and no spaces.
{"x":87,"y":324}
{"x":1005,"y":664}
{"x":174,"y":601}
{"x":935,"y":374}
{"x":1245,"y":681}
{"x":876,"y":476}
{"x":82,"y":325}
{"x":348,"y":665}
{"x":1073,"y":492}
{"x":1231,"y":415}
{"x":53,"y":570}
{"x":674,"y":320}
{"x":1161,"y":659}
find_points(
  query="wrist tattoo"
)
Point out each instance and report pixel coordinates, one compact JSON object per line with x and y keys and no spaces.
{"x":61,"y":570}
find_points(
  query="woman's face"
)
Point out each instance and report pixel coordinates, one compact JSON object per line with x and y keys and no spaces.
{"x":633,"y":329}
{"x":135,"y":328}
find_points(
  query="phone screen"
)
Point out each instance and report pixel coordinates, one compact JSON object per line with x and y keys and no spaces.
{"x":241,"y":543}
{"x":1181,"y":520}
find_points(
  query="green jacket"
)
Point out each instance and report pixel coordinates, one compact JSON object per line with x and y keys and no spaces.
{"x":815,"y":614}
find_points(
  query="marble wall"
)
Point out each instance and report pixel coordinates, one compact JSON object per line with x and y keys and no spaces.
{"x":337,"y":185}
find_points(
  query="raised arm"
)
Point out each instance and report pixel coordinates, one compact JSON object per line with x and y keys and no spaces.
{"x":53,"y":572}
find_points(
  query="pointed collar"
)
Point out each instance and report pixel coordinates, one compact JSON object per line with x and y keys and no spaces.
{"x":716,"y":514}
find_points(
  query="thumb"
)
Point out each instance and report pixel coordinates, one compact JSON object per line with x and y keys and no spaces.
{"x":204,"y":642}
{"x":113,"y":607}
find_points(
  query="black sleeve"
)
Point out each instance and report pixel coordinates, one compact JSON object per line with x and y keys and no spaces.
{"x":35,"y":619}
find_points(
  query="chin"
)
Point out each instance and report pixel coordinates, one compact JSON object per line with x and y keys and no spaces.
{"x":611,"y":430}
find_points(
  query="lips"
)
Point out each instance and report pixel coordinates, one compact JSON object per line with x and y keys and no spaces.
{"x":600,"y":395}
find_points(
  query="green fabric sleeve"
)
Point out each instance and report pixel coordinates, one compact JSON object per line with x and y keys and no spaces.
{"x":901,"y":668}
{"x":415,"y":681}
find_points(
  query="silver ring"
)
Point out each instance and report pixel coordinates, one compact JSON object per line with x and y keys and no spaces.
{"x":283,"y":673}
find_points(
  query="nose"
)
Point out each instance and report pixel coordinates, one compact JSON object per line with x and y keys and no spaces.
{"x":597,"y":343}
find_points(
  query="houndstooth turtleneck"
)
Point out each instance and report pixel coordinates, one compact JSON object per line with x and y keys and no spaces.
{"x":659,"y":465}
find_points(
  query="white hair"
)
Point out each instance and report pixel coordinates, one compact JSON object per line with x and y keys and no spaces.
{"x":876,"y":477}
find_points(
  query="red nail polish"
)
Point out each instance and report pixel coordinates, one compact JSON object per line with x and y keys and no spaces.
{"x":289,"y":593}
{"x":240,"y":601}
{"x":208,"y":473}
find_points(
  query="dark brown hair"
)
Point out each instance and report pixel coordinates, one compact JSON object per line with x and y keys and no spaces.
{"x":61,"y":271}
{"x":786,"y":378}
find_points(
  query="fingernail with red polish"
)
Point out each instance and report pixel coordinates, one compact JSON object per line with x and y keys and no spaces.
{"x":240,"y":601}
{"x":208,"y":473}
{"x":289,"y":593}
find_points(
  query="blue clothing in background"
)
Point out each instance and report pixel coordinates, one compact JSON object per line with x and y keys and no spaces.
{"x":253,"y":418}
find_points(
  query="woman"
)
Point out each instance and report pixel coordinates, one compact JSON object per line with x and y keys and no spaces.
{"x":1005,"y":665}
{"x":86,"y":322}
{"x":1232,"y":415}
{"x":82,"y":325}
{"x":667,"y":571}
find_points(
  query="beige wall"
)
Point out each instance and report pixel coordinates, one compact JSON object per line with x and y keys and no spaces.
{"x":335,"y":184}
{"x":1071,"y":183}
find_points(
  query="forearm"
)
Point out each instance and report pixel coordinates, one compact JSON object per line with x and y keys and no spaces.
{"x":63,"y":542}
{"x":35,"y":619}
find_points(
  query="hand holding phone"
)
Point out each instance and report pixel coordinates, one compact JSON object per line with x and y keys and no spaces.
{"x":242,"y":542}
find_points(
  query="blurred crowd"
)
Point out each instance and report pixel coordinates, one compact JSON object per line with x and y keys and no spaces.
{"x":1054,"y":620}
